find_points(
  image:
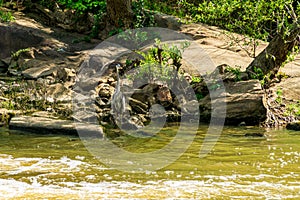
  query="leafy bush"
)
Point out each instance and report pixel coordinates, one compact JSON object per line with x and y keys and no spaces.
{"x":5,"y":16}
{"x":92,"y":6}
{"x":161,"y":61}
{"x":258,"y":19}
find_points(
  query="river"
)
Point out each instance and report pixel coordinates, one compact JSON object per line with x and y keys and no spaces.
{"x":238,"y":167}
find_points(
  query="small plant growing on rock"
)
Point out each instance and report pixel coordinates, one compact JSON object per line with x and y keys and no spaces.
{"x":16,"y":55}
{"x":258,"y":74}
{"x":161,"y":61}
{"x":196,"y":79}
{"x":279,"y":96}
{"x":235,"y":71}
{"x":293,"y":109}
{"x":6,"y":16}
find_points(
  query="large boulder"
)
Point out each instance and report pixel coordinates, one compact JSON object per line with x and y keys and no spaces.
{"x":167,"y":21}
{"x":13,"y":39}
{"x":243,"y":101}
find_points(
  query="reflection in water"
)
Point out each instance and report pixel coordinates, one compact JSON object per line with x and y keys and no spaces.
{"x":52,"y":167}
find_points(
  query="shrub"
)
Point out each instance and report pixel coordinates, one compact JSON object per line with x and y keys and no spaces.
{"x":5,"y":16}
{"x":161,"y":61}
{"x":258,"y":19}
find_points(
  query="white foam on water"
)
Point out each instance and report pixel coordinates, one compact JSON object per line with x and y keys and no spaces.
{"x":167,"y":189}
{"x":42,"y":185}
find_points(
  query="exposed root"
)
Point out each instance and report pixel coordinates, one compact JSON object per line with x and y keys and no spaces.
{"x":277,"y":115}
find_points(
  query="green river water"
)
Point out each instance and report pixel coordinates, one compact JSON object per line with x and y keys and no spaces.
{"x":59,"y":167}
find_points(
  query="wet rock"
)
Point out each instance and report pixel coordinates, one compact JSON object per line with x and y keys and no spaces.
{"x":293,"y":126}
{"x":254,"y":135}
{"x":46,"y":125}
{"x":44,"y":114}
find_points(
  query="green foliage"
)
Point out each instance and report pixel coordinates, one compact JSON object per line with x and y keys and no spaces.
{"x":96,"y":8}
{"x":257,"y":19}
{"x":281,"y":75}
{"x":138,"y":37}
{"x":196,"y":79}
{"x":199,"y":96}
{"x":115,"y":31}
{"x":84,"y":5}
{"x":258,"y":73}
{"x":292,"y":55}
{"x":236,"y":71}
{"x":16,"y":55}
{"x":9,"y":105}
{"x":160,"y":61}
{"x":165,"y":6}
{"x":143,"y":18}
{"x":293,"y":109}
{"x":265,"y":80}
{"x":5,"y":16}
{"x":279,"y":94}
{"x":96,"y":26}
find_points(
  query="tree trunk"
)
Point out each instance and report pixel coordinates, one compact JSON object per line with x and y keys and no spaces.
{"x":120,"y":13}
{"x":275,"y":54}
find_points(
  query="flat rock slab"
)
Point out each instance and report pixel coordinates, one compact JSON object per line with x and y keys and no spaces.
{"x":45,"y":125}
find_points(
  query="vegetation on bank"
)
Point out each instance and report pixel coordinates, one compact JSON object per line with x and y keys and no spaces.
{"x":257,"y":19}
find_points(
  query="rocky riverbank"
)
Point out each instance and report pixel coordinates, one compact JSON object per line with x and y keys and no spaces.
{"x":41,"y":74}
